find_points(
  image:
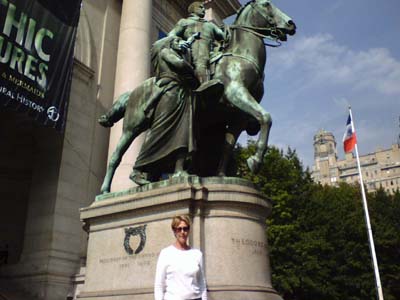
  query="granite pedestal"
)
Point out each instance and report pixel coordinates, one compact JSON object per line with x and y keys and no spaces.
{"x":127,"y":231}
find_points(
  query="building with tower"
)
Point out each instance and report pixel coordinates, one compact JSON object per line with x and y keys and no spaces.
{"x":381,"y":169}
{"x":325,"y":156}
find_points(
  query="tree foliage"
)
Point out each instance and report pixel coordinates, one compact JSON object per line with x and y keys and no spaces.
{"x":317,"y":235}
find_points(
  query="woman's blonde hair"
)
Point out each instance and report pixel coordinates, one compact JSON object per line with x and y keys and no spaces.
{"x":177,"y":219}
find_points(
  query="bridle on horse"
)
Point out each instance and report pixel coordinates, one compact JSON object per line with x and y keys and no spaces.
{"x":271,"y":32}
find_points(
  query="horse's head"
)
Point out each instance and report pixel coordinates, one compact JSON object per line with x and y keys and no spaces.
{"x":264,"y":15}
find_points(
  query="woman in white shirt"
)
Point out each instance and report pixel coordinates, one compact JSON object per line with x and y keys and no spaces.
{"x":180,"y":273}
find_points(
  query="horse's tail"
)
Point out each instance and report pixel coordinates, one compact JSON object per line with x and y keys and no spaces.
{"x":142,"y":101}
{"x":139,"y":100}
{"x":116,"y":112}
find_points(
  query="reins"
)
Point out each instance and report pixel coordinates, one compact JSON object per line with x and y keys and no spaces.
{"x":272,"y":36}
{"x":271,"y":32}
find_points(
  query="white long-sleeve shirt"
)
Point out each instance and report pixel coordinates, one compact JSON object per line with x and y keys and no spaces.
{"x":180,"y":275}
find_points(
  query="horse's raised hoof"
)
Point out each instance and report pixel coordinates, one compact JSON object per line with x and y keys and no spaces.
{"x":105,"y":121}
{"x":253,"y":164}
{"x":138,"y":177}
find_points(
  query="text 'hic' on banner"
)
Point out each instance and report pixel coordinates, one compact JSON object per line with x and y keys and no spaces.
{"x":36,"y":55}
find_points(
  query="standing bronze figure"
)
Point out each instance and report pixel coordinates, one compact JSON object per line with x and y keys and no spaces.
{"x":202,"y":47}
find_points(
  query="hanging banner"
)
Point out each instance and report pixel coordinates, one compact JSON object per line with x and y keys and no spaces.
{"x":37,"y":40}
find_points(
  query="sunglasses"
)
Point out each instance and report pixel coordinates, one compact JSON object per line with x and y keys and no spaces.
{"x":179,"y":229}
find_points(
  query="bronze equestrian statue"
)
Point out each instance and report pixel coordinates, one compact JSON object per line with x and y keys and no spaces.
{"x":239,"y":70}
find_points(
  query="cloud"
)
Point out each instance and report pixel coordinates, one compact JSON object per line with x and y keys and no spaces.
{"x":341,"y":102}
{"x":321,"y":60}
{"x":311,"y":81}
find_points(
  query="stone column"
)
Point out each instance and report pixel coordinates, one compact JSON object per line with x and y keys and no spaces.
{"x":133,"y":67}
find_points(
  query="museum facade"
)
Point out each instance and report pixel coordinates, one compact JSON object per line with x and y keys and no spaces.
{"x":48,"y":176}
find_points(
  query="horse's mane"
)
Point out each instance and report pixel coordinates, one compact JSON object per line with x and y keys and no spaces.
{"x":242,"y":9}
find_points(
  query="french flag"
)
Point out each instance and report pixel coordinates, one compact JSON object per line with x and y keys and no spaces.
{"x":349,"y":137}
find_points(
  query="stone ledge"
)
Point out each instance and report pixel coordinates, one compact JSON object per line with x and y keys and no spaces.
{"x":240,"y":288}
{"x":222,"y":288}
{"x":190,"y":180}
{"x":192,"y":188}
{"x":116,"y":293}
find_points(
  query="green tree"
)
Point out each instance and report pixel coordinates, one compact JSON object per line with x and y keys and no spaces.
{"x":385,"y":219}
{"x":317,"y":234}
{"x":337,"y":264}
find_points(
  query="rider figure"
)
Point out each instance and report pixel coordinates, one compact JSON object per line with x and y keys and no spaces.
{"x":201,"y":48}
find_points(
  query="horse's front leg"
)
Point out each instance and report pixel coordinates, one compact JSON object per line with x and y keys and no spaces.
{"x":254,"y":161}
{"x":240,"y":97}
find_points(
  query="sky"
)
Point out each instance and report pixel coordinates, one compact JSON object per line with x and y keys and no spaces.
{"x":344,"y":53}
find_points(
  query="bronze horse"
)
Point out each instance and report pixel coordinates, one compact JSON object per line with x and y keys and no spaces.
{"x":241,"y":69}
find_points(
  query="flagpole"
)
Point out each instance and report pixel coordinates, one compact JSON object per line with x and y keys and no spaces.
{"x":369,"y":230}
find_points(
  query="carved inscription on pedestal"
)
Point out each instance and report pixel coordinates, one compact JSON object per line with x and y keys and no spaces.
{"x":134,"y":243}
{"x":253,"y":246}
{"x":144,"y":259}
